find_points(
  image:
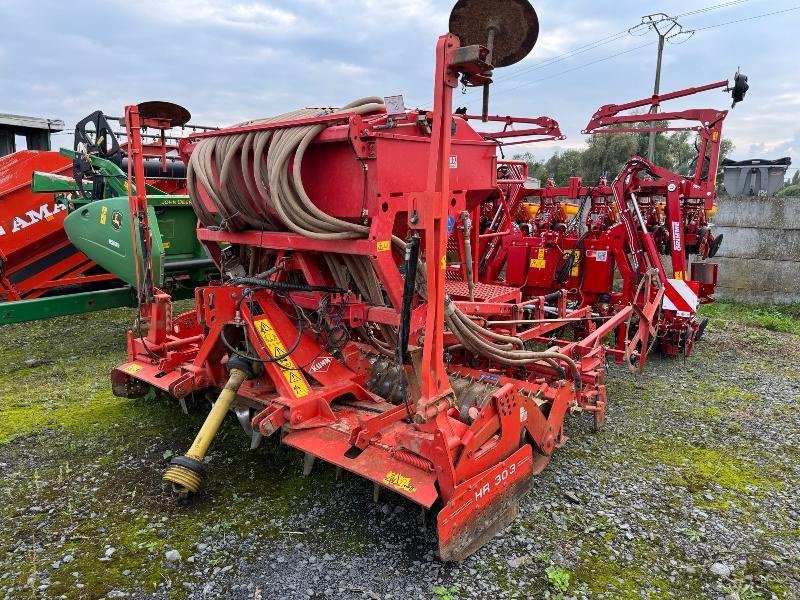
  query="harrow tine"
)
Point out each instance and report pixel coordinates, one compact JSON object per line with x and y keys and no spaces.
{"x":308,"y":463}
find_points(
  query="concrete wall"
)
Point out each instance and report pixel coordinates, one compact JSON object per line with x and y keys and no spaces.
{"x":759,"y":260}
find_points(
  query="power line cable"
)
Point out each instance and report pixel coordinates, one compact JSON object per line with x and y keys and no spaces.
{"x":572,"y":69}
{"x":776,"y":12}
{"x":642,"y":46}
{"x":600,"y":42}
{"x":566,"y":55}
{"x":710,"y":8}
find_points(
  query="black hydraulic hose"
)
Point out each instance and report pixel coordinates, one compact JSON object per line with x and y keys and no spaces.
{"x":552,"y":296}
{"x":191,"y":263}
{"x":274,"y":359}
{"x":285,"y":286}
{"x":411,"y":259}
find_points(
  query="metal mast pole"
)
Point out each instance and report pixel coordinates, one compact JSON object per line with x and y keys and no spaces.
{"x":667,"y":28}
{"x":651,"y":144}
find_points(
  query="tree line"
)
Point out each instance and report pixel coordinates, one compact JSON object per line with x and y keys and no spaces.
{"x":606,"y":153}
{"x":793,"y":189}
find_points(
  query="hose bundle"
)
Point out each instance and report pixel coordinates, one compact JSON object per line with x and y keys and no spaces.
{"x":253,"y":180}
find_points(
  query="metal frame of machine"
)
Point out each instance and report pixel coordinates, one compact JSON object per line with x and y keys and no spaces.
{"x":435,"y":392}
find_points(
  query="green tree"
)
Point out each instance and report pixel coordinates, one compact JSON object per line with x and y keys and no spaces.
{"x":535,"y":167}
{"x":796,"y":178}
{"x":792,"y":191}
{"x":605,"y":154}
{"x":563,"y":165}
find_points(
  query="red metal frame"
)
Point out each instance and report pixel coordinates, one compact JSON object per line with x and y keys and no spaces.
{"x":547,"y":129}
{"x":627,"y":227}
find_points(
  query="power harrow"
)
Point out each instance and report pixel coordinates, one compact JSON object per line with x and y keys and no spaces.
{"x":338,"y":321}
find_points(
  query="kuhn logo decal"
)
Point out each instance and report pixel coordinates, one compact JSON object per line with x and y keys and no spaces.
{"x":321,"y":366}
{"x":45,"y":212}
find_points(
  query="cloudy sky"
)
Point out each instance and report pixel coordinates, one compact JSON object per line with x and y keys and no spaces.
{"x":228,"y":61}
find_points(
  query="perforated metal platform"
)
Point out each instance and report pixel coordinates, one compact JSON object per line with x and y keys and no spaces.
{"x":484,"y":292}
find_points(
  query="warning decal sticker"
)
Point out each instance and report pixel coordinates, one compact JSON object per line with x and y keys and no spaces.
{"x":400,"y":481}
{"x":275,"y":347}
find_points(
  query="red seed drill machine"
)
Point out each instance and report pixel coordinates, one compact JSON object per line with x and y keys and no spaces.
{"x":332,"y":321}
{"x":647,"y":212}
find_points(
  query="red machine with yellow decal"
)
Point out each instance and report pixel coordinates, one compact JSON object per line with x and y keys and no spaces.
{"x":648,"y":211}
{"x":333,"y":321}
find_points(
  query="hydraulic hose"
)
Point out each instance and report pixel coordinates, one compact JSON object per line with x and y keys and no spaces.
{"x":255,"y":180}
{"x":468,"y":254}
{"x":471,"y":335}
{"x":260,"y":176}
{"x":411,"y":260}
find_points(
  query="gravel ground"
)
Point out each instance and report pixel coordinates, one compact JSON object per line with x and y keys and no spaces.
{"x":689,"y":492}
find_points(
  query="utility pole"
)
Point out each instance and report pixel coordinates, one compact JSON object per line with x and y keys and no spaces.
{"x":667,"y":28}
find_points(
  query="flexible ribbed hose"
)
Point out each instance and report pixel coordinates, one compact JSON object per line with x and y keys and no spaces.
{"x":254,"y":181}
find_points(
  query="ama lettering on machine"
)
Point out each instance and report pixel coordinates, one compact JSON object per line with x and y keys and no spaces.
{"x":31,"y":217}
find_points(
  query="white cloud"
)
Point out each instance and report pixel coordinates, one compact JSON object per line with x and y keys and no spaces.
{"x":248,"y":15}
{"x":231,"y":61}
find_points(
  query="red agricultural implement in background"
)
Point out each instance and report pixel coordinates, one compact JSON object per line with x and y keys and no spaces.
{"x":645,"y":213}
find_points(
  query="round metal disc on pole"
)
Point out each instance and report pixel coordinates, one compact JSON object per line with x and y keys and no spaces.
{"x":515,"y":25}
{"x":176,"y":114}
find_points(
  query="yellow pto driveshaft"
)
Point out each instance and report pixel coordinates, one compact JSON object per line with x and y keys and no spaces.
{"x":186,"y":473}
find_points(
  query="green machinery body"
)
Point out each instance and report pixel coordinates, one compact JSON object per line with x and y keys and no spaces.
{"x":101,"y":229}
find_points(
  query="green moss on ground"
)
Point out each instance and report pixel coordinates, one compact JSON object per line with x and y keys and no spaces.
{"x":99,"y":460}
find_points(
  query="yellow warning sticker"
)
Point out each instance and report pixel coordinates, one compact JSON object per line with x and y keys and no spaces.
{"x":383,"y":245}
{"x":678,"y":275}
{"x":275,"y":347}
{"x":132,"y":368}
{"x":103,"y":215}
{"x":538,"y":262}
{"x":166,"y":245}
{"x":443,"y":262}
{"x":399,"y":481}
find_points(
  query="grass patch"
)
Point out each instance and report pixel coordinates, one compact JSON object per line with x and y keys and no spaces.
{"x":604,"y":573}
{"x":774,"y":317}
